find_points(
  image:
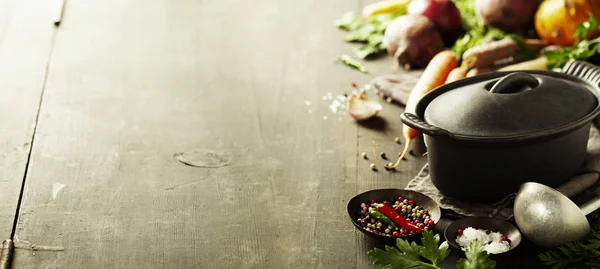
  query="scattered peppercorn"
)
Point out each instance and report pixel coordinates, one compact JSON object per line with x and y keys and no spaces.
{"x":364,"y":155}
{"x":397,"y":140}
{"x":353,"y":84}
{"x":373,"y":166}
{"x":383,"y":156}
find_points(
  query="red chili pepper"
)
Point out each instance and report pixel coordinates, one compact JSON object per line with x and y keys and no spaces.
{"x":402,"y":222}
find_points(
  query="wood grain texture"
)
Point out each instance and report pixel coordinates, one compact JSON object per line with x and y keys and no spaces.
{"x":134,"y":82}
{"x":25,"y":38}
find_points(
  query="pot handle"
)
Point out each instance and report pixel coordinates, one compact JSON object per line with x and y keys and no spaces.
{"x":416,"y":123}
{"x":514,"y":83}
{"x":583,"y":70}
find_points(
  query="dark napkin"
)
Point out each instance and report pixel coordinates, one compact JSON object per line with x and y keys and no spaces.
{"x":398,"y":87}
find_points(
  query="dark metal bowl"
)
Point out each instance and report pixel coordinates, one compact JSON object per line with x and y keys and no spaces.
{"x":391,"y":194}
{"x":493,"y":224}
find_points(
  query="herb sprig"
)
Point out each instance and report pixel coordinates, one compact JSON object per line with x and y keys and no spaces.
{"x":476,"y":258}
{"x":428,"y":255}
{"x":367,"y":30}
{"x":410,"y":255}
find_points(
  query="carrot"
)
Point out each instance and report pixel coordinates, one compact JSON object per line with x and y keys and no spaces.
{"x":456,"y":74}
{"x":434,"y":75}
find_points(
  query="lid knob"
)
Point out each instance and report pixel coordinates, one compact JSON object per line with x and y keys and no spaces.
{"x":515,"y":82}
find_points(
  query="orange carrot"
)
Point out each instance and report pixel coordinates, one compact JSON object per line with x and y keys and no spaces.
{"x":434,"y":75}
{"x":456,"y":74}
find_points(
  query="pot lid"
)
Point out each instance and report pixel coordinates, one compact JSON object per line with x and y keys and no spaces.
{"x":510,"y":104}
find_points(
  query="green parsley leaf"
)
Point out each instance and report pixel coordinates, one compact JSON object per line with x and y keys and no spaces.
{"x":367,"y":30}
{"x":411,"y":255}
{"x":476,"y":258}
{"x":349,"y":61}
{"x":349,"y":21}
{"x":431,"y":251}
{"x":585,"y":28}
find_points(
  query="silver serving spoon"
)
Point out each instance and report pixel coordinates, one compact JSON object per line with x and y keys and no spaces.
{"x":548,"y":218}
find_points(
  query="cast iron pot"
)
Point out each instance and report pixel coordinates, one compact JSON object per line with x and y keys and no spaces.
{"x":486,"y":135}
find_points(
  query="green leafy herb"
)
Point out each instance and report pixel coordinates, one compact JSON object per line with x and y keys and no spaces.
{"x":584,"y":29}
{"x":476,"y":33}
{"x":583,"y":49}
{"x":476,"y":258}
{"x":410,"y":255}
{"x":577,"y":251}
{"x":366,"y":30}
{"x":349,"y":61}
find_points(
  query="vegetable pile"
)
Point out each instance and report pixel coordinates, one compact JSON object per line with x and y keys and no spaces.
{"x":399,"y":218}
{"x":486,"y":35}
{"x":454,"y":39}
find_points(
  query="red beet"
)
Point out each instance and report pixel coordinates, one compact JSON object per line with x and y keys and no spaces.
{"x":507,"y":15}
{"x":413,"y":40}
{"x":443,"y":13}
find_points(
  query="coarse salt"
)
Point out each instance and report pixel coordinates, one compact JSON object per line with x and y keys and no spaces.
{"x":492,"y":243}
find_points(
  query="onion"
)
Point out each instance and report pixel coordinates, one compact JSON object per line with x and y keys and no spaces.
{"x":443,"y":13}
{"x":413,"y":40}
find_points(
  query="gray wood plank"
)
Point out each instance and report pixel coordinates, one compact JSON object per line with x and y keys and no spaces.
{"x":134,"y":82}
{"x":25,"y":38}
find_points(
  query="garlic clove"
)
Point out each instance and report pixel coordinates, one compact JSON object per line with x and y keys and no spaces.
{"x":360,"y":107}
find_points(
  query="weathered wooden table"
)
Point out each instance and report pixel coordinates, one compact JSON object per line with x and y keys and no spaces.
{"x":93,"y":112}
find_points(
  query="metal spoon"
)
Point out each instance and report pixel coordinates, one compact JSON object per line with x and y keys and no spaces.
{"x":548,"y":218}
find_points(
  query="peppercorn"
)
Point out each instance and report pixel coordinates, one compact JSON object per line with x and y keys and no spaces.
{"x":373,"y":166}
{"x":387,"y":231}
{"x":383,"y":155}
{"x":397,"y":140}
